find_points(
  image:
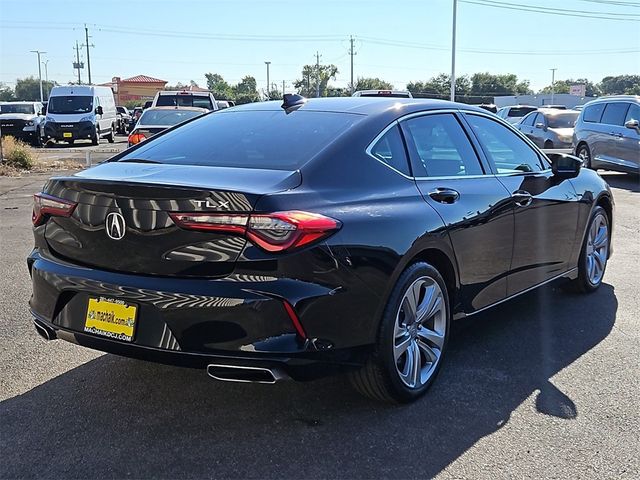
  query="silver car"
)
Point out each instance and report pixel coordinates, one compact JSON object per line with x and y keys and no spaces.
{"x":549,"y":128}
{"x":514,"y":113}
{"x":607,"y":134}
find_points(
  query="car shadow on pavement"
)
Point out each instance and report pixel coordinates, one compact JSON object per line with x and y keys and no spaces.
{"x":625,"y":181}
{"x":116,"y":417}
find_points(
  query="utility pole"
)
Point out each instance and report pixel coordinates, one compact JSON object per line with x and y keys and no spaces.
{"x":46,"y":71}
{"x":553,"y":83}
{"x":77,"y":64}
{"x":317,"y":74}
{"x":453,"y":52}
{"x":268,"y":84}
{"x":38,"y":52}
{"x":87,"y":44}
{"x":352,"y":53}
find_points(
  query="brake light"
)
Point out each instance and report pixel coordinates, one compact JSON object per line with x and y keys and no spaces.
{"x":47,"y":205}
{"x":273,"y":232}
{"x":136,"y":138}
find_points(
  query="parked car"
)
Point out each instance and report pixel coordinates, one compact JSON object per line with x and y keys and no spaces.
{"x":184,"y":98}
{"x":147,"y":104}
{"x":607,"y":134}
{"x":78,"y":112}
{"x":549,"y":128}
{"x":135,"y":115}
{"x":383,"y":93}
{"x":489,"y":107}
{"x":155,"y":120}
{"x":514,"y":113}
{"x":224,"y":104}
{"x":123,"y":119}
{"x":23,"y":120}
{"x":300,"y":239}
{"x":555,"y":107}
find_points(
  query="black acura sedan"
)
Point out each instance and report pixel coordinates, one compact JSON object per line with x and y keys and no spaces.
{"x":275,"y":241}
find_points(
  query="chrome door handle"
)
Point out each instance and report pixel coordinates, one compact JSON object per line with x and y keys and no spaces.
{"x":616,"y":134}
{"x":522,"y":198}
{"x":444,"y":195}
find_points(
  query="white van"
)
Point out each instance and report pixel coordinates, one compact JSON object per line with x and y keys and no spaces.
{"x":78,"y":112}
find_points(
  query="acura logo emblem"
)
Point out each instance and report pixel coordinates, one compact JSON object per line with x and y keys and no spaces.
{"x":115,"y":226}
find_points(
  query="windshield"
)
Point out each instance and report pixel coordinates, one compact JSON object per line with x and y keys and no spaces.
{"x":17,"y":108}
{"x":167,"y":117}
{"x":182,"y":100}
{"x":248,"y":139}
{"x":70,"y":104}
{"x":563,"y":120}
{"x":519,"y":111}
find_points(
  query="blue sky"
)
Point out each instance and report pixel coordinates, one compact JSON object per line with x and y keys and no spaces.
{"x":399,"y":41}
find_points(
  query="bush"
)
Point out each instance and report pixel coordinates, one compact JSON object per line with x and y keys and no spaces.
{"x":17,"y":154}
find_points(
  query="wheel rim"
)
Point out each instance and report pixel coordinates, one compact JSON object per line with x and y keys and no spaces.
{"x":419,"y":332}
{"x":597,"y":249}
{"x":583,"y":155}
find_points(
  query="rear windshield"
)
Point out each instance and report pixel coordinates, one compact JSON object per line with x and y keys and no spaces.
{"x":200,"y":101}
{"x":519,"y":111}
{"x":247,"y":139}
{"x":166,"y":117}
{"x":563,"y":120}
{"x":388,"y":95}
{"x":17,"y":108}
{"x":70,"y":104}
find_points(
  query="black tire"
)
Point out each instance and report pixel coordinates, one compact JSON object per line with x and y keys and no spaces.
{"x":548,"y":144}
{"x":111,"y":136}
{"x":584,"y":154}
{"x":95,"y":139}
{"x":380,"y":378}
{"x":71,"y":142}
{"x":583,"y":284}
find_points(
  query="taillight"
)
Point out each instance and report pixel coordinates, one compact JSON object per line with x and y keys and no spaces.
{"x":47,"y":205}
{"x":136,"y":138}
{"x":273,"y":232}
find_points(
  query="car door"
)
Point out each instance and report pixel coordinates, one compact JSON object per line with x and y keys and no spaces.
{"x":545,"y":208}
{"x":539,"y":131}
{"x":630,"y":142}
{"x":613,"y":130}
{"x":474,"y":206}
{"x":526,"y":125}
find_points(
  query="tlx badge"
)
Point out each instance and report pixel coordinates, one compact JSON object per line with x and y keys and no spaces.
{"x":211,"y":204}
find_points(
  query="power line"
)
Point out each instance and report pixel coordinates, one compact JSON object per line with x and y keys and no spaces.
{"x":613,"y":2}
{"x":623,"y":17}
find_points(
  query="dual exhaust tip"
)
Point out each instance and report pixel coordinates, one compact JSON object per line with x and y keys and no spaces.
{"x":44,"y":331}
{"x":243,"y":374}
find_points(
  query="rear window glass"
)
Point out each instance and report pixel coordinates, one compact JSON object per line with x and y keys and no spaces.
{"x":388,"y":95}
{"x":17,"y":108}
{"x":248,"y":139}
{"x":519,"y":111}
{"x":200,"y":101}
{"x":593,"y":113}
{"x":614,"y":113}
{"x":562,"y":120}
{"x":166,"y":117}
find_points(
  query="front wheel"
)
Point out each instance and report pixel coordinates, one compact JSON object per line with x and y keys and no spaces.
{"x":584,"y":154}
{"x":411,"y":341}
{"x":594,"y":254}
{"x":111,"y":136}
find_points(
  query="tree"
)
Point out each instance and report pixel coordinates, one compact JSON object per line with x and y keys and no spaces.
{"x":6,"y":93}
{"x":311,"y":76}
{"x":246,"y":91}
{"x":494,"y":85}
{"x":218,"y":86}
{"x":441,"y":85}
{"x":620,"y":84}
{"x":370,"y":83}
{"x":177,"y":86}
{"x":274,"y":93}
{"x":28,"y":89}
{"x":563,"y":86}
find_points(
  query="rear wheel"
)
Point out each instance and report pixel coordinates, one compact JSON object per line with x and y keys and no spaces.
{"x":95,"y":139}
{"x":411,"y":341}
{"x":111,"y":136}
{"x":548,"y":144}
{"x":584,"y":154}
{"x":594,"y":254}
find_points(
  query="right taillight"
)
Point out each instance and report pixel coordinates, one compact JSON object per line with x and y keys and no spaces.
{"x":136,"y":138}
{"x":47,"y":205}
{"x":273,"y":232}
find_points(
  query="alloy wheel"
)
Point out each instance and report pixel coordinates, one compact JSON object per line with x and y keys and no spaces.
{"x":419,"y":332}
{"x":597,"y":249}
{"x":583,"y":154}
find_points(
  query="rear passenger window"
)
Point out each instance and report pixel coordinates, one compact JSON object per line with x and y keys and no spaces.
{"x":507,"y":151}
{"x":593,"y":113}
{"x":389,"y":149}
{"x":440,"y":147}
{"x":614,"y":113}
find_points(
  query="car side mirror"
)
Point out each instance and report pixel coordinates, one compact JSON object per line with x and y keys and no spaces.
{"x":633,"y":124}
{"x":541,"y":126}
{"x":99,"y":110}
{"x":564,"y":165}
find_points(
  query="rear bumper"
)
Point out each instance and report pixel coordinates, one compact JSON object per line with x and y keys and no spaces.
{"x":196,"y":322}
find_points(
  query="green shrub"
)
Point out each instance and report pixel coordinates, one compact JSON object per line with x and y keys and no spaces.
{"x":17,"y":154}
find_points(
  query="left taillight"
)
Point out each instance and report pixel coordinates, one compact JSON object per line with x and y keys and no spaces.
{"x":45,"y":205}
{"x":273,"y":232}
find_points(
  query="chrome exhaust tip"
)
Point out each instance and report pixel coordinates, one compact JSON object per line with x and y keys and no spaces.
{"x":243,"y":374}
{"x":45,"y":332}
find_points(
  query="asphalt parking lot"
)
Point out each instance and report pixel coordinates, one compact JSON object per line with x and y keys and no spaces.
{"x":546,"y":386}
{"x":62,"y":151}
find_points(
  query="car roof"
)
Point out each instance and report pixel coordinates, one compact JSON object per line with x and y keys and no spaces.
{"x":615,"y":98}
{"x":363,"y":105}
{"x":192,"y":109}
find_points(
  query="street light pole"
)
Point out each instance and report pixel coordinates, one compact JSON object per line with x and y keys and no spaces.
{"x":38,"y":52}
{"x":267,"y":64}
{"x":453,"y":52}
{"x":553,"y":84}
{"x":46,"y":71}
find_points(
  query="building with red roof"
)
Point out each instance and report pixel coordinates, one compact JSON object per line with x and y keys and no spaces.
{"x":140,"y":87}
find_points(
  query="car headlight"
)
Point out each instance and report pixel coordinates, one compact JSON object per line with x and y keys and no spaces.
{"x":30,"y":123}
{"x":86,"y":119}
{"x":565,"y":138}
